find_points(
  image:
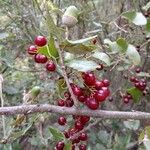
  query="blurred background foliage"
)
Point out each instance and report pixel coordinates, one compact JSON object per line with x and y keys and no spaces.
{"x":20,"y":22}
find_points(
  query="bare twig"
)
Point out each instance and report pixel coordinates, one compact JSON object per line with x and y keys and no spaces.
{"x":28,"y":109}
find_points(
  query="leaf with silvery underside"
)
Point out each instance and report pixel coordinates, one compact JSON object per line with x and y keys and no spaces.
{"x":147,"y":6}
{"x":135,"y":17}
{"x":82,"y":65}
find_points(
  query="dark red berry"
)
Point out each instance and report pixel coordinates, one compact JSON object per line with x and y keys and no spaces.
{"x":92,"y":103}
{"x":94,"y":41}
{"x":60,"y":146}
{"x":73,"y":147}
{"x":77,"y":91}
{"x":138,"y":70}
{"x":67,"y":95}
{"x":39,"y":58}
{"x":62,"y":121}
{"x":78,"y":125}
{"x":100,"y":96}
{"x":98,"y":85}
{"x":89,"y":78}
{"x":84,"y":119}
{"x":126,"y":100}
{"x":50,"y":66}
{"x":133,"y":79}
{"x":82,"y":98}
{"x":32,"y":50}
{"x":83,"y":136}
{"x":76,"y":140}
{"x":106,"y":82}
{"x":129,"y":96}
{"x":61,"y":102}
{"x":100,"y":67}
{"x":110,"y":99}
{"x":66,"y":134}
{"x":69,"y":103}
{"x":82,"y":147}
{"x":106,"y":91}
{"x":40,"y":41}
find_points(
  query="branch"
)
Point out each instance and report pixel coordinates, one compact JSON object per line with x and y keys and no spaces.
{"x":29,"y":109}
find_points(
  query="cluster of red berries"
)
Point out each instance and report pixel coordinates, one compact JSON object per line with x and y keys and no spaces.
{"x":80,"y":123}
{"x":41,"y":41}
{"x":94,"y":92}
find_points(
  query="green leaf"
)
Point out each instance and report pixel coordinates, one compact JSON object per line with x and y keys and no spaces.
{"x":68,"y":146}
{"x":81,"y":46}
{"x":133,"y":55}
{"x":143,"y":74}
{"x":122,"y":44}
{"x":132,"y":124}
{"x":102,"y":56}
{"x":148,"y":28}
{"x":56,"y":134}
{"x":68,"y":56}
{"x":136,"y":94}
{"x":35,"y":91}
{"x":52,"y":49}
{"x":44,"y":50}
{"x":136,"y":17}
{"x":147,"y":6}
{"x":145,"y":131}
{"x":82,"y":65}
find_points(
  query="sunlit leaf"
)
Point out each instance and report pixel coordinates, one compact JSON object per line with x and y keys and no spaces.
{"x":102,"y":56}
{"x":122,"y":44}
{"x":133,"y":55}
{"x":61,"y":85}
{"x":136,"y":94}
{"x":57,"y":135}
{"x":44,"y":50}
{"x":136,"y":17}
{"x":68,"y":146}
{"x":145,"y":131}
{"x":82,"y":65}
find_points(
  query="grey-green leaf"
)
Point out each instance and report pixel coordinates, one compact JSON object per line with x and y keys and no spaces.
{"x":147,"y":6}
{"x":132,"y":124}
{"x":133,"y":55}
{"x":56,"y":134}
{"x":82,"y":65}
{"x":102,"y":56}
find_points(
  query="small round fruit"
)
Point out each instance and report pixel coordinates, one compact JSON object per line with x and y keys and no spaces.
{"x":40,"y":41}
{"x":89,"y":78}
{"x":69,"y":103}
{"x":61,"y":103}
{"x":77,"y":91}
{"x":82,"y":147}
{"x":126,"y":100}
{"x":32,"y":50}
{"x":82,"y":98}
{"x":50,"y":66}
{"x":106,"y":91}
{"x":106,"y":82}
{"x":84,"y":119}
{"x":39,"y":58}
{"x":67,"y":95}
{"x":138,"y":70}
{"x":98,"y":85}
{"x":60,"y":146}
{"x":62,"y":121}
{"x":83,"y":136}
{"x":133,"y":79}
{"x":78,"y":125}
{"x":92,"y":103}
{"x":66,"y":134}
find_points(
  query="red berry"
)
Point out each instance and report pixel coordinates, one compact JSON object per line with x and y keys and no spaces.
{"x":50,"y":66}
{"x":62,"y":121}
{"x":69,"y":103}
{"x":84,"y":119}
{"x":77,"y":91}
{"x":67,"y":95}
{"x":83,"y":136}
{"x":75,"y":141}
{"x":72,"y":131}
{"x":82,"y":147}
{"x":78,"y":125}
{"x":133,"y":79}
{"x":126,"y":100}
{"x":92,"y":103}
{"x":60,"y":146}
{"x":110,"y":99}
{"x":89,"y":78}
{"x":106,"y":91}
{"x":66,"y":134}
{"x":39,"y":58}
{"x":138,"y":70}
{"x":106,"y":82}
{"x":98,"y":85}
{"x":100,"y":67}
{"x":100,"y":96}
{"x":129,"y":96}
{"x":82,"y":98}
{"x":40,"y":40}
{"x":32,"y":50}
{"x":61,"y":102}
{"x":73,"y":147}
{"x":94,"y":41}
